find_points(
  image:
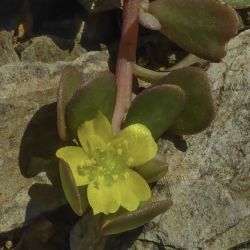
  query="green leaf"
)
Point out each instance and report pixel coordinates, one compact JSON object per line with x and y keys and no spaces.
{"x":69,"y":82}
{"x":200,"y":27}
{"x":130,"y":220}
{"x":153,"y":170}
{"x":76,"y":196}
{"x":199,"y":110}
{"x":238,"y":4}
{"x":97,"y":94}
{"x":157,"y":108}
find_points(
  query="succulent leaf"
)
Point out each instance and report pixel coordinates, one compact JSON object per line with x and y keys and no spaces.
{"x":200,"y":27}
{"x":149,"y":21}
{"x":76,"y":196}
{"x":153,"y":170}
{"x":157,"y":108}
{"x":97,"y":94}
{"x":69,"y":82}
{"x":199,"y":110}
{"x":130,"y":220}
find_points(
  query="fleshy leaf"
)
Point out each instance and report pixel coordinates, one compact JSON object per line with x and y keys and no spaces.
{"x":69,"y":82}
{"x":199,"y":110}
{"x":149,"y":21}
{"x":238,"y":4}
{"x":200,"y":27}
{"x":130,"y":220}
{"x":97,"y":94}
{"x":153,"y":170}
{"x":156,"y":108}
{"x":76,"y":196}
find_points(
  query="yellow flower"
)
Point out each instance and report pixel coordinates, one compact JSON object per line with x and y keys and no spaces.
{"x":104,"y":162}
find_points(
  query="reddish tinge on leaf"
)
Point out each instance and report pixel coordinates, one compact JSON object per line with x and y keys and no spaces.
{"x":200,"y":27}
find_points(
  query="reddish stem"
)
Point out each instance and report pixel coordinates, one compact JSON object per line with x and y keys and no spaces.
{"x":126,"y":58}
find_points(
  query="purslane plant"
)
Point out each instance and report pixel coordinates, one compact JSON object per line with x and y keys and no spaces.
{"x":114,"y":155}
{"x":104,"y":162}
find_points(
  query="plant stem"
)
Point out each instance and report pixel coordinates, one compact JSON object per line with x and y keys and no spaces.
{"x":125,"y":60}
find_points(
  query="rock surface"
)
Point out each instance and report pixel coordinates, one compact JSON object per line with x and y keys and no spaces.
{"x":46,"y":49}
{"x":28,"y":91}
{"x":209,"y":183}
{"x":7,"y":51}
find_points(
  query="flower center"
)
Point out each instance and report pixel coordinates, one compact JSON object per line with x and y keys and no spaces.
{"x":108,"y":164}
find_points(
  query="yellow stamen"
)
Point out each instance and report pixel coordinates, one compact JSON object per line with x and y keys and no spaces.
{"x":126,"y":175}
{"x":88,"y":163}
{"x":115,"y":176}
{"x":125,"y":143}
{"x":100,"y":168}
{"x":130,"y":160}
{"x":119,"y":151}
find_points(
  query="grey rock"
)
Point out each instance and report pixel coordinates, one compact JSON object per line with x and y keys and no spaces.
{"x":46,"y":49}
{"x":28,"y":91}
{"x":210,"y":183}
{"x":7,"y":51}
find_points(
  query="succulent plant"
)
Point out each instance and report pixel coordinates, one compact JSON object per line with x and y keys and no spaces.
{"x":111,"y":133}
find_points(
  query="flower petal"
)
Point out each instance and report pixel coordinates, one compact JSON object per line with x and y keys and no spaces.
{"x":95,"y":134}
{"x":129,"y":199}
{"x":135,"y":185}
{"x":136,"y":143}
{"x":74,"y":157}
{"x":103,"y":198}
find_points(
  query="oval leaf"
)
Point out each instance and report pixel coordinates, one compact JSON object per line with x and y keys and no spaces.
{"x":200,"y":27}
{"x":132,"y":220}
{"x":97,"y":94}
{"x":149,"y":21}
{"x":69,"y":82}
{"x":199,"y":110}
{"x":76,"y":196}
{"x":153,"y":170}
{"x":157,"y":108}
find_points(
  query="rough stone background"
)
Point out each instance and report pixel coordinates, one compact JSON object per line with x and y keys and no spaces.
{"x":209,"y":183}
{"x":26,"y":87}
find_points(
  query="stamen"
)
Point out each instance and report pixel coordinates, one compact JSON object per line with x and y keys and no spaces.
{"x":119,"y":151}
{"x":100,"y":168}
{"x":130,"y":160}
{"x":125,"y":143}
{"x":88,"y":163}
{"x":126,"y":175}
{"x":115,"y":176}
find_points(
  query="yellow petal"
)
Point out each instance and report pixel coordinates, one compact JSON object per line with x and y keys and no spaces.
{"x":74,"y":157}
{"x":137,"y":144}
{"x":103,"y":198}
{"x":129,"y":199}
{"x":136,"y":185}
{"x":95,"y":134}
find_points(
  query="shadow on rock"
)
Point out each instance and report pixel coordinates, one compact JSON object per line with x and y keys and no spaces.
{"x":37,"y":155}
{"x":39,"y":144}
{"x":43,"y":198}
{"x":55,"y":18}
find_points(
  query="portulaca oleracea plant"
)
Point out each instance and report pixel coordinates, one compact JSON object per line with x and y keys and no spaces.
{"x":104,"y":162}
{"x":112,"y":155}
